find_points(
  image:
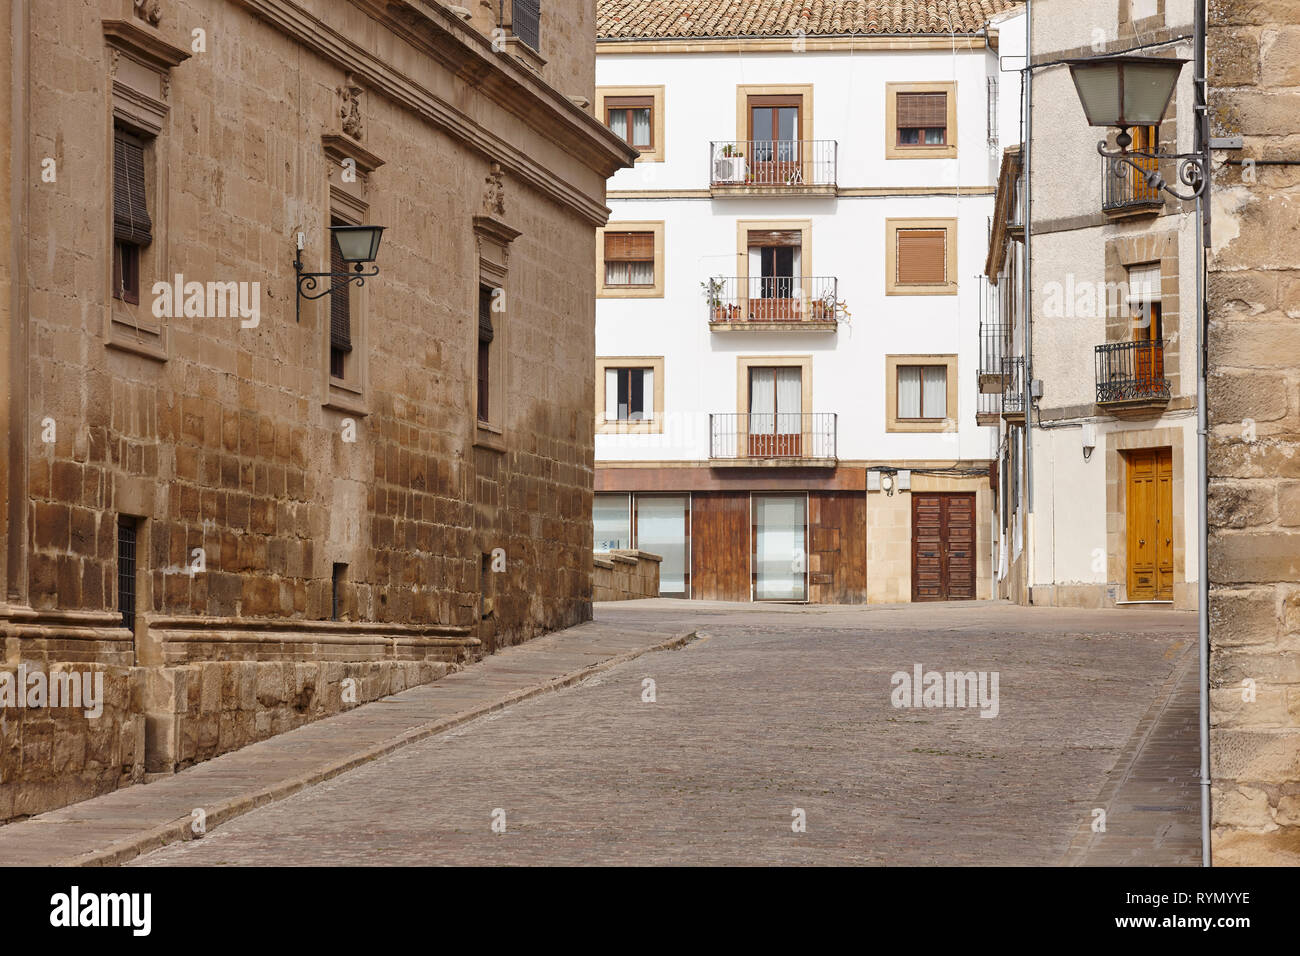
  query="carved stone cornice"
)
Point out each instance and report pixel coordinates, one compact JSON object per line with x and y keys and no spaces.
{"x":144,"y":44}
{"x":339,"y":146}
{"x":467,"y":55}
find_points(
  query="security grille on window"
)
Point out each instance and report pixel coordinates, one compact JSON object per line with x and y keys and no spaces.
{"x":132,"y":227}
{"x":340,"y":310}
{"x":629,"y":118}
{"x":526,"y":22}
{"x":126,"y":528}
{"x":922,"y":391}
{"x":922,"y":119}
{"x":629,"y":394}
{"x":993,"y":110}
{"x":922,"y":257}
{"x":629,"y":259}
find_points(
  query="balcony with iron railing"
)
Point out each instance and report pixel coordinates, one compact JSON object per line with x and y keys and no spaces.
{"x":1131,"y":376}
{"x":773,"y":167}
{"x":773,"y":303}
{"x":995,"y":345}
{"x":1013,"y":390}
{"x":756,"y":439}
{"x":1125,"y":190}
{"x":988,"y":408}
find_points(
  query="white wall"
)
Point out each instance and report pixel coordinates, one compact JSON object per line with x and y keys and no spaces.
{"x":848,"y":242}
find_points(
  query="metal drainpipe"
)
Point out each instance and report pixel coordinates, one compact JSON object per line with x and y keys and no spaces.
{"x":19,"y":196}
{"x":1201,"y":106}
{"x":1028,"y":302}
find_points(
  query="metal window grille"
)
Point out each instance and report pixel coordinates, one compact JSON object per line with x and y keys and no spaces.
{"x":526,"y":22}
{"x":993,"y":110}
{"x":126,"y":530}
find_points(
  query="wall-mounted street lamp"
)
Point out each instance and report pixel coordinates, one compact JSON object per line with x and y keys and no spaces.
{"x":357,"y":245}
{"x":1127,"y":91}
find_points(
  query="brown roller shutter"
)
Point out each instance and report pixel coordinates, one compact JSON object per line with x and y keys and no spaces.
{"x":922,"y":258}
{"x":340,"y":302}
{"x":923,"y":109}
{"x":629,"y":246}
{"x":775,"y":237}
{"x":131,"y":221}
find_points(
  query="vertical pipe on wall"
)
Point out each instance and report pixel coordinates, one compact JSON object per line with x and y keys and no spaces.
{"x":1202,"y":147}
{"x":1027,"y":376}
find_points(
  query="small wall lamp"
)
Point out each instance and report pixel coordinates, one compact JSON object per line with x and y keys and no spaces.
{"x":357,"y":245}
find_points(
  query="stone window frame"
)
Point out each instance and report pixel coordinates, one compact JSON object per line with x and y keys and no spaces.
{"x":653,"y":426}
{"x":655,"y":291}
{"x":656,"y":152}
{"x":745,"y":226}
{"x":1128,"y":27}
{"x":892,"y":227}
{"x":139,"y":72}
{"x":803,"y":90}
{"x":920,"y":425}
{"x":892,"y":149}
{"x":1160,"y":247}
{"x":802,"y":362}
{"x":492,"y":239}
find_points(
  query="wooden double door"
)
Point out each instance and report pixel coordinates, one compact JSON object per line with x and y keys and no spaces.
{"x":943,"y":547}
{"x":1150,"y":522}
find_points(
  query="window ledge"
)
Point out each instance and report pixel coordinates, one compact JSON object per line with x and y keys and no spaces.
{"x":147,"y":343}
{"x":489,"y":436}
{"x":525,"y":54}
{"x":346,"y":398}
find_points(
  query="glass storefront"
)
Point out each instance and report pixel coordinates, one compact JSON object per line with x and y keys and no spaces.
{"x":780,"y":567}
{"x":663,"y":528}
{"x":612,"y":521}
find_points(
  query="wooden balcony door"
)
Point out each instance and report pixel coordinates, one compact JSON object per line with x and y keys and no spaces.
{"x":943,"y":547}
{"x":775,"y":412}
{"x":1145,"y":140}
{"x":773,"y":291}
{"x":1148,"y":332}
{"x":1150,"y":525}
{"x":774,"y":124}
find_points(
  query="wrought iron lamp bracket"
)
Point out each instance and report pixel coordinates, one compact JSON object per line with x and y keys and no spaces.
{"x":1193,"y":169}
{"x":308,"y":282}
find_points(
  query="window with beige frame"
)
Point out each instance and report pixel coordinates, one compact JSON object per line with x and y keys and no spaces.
{"x":630,"y":260}
{"x":921,"y":120}
{"x":920,"y":393}
{"x":630,"y":395}
{"x":921,"y":256}
{"x":635,"y":114}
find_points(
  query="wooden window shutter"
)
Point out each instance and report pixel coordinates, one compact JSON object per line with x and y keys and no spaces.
{"x":485,"y":332}
{"x":923,"y":109}
{"x":922,"y":257}
{"x":131,"y":221}
{"x":629,"y":246}
{"x":340,"y":302}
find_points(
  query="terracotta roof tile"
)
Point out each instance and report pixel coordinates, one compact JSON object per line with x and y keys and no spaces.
{"x":652,"y":19}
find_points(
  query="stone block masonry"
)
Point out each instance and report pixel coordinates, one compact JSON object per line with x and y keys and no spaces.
{"x":625,"y":575}
{"x":256,"y":524}
{"x":1254,"y":400}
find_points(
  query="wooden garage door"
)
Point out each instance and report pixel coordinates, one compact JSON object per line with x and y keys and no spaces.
{"x":720,"y":547}
{"x":943,"y":547}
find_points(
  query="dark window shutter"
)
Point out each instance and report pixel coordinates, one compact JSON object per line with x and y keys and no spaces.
{"x":131,"y":221}
{"x":485,"y":332}
{"x":922,"y":258}
{"x":923,"y":109}
{"x":340,"y":302}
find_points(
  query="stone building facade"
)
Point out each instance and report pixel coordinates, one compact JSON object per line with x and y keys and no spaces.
{"x":1253,"y":289}
{"x":248,"y":508}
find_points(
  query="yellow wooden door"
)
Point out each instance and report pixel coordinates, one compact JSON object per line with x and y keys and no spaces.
{"x":1150,"y":525}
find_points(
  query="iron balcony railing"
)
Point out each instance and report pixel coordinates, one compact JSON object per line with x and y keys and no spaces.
{"x":760,"y":299}
{"x":1013,"y":387}
{"x":765,"y":436}
{"x":1131,"y":372}
{"x":988,"y":405}
{"x":773,"y":162}
{"x":526,"y":22}
{"x":1129,"y":189}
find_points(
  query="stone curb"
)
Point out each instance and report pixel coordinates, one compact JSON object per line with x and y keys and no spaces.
{"x":124,"y":850}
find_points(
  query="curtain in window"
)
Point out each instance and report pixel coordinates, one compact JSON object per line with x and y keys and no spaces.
{"x":934,"y":391}
{"x":641,"y":273}
{"x":618,"y":124}
{"x":640,"y":128}
{"x":779,"y":559}
{"x":909,"y":392}
{"x":762,"y":400}
{"x":612,"y":522}
{"x":789,"y":400}
{"x":661,"y":530}
{"x":611,"y":394}
{"x":643,"y":405}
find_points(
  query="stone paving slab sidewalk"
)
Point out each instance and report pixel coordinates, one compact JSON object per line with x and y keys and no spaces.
{"x":118,"y":826}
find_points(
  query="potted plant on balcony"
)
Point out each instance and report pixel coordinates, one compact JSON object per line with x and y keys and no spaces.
{"x":712,"y":289}
{"x":830,"y":306}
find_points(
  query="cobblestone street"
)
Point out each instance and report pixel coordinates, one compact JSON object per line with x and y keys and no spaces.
{"x":775,"y":708}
